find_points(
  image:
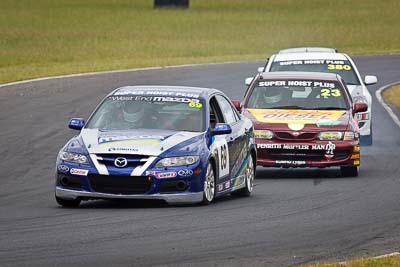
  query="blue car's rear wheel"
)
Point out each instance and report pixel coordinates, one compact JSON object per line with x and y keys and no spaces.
{"x":249,"y":179}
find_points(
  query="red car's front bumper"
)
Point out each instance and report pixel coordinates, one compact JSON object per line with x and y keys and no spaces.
{"x":274,"y":153}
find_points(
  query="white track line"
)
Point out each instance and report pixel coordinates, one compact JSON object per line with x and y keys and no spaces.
{"x":114,"y":71}
{"x":378,"y":95}
{"x":344,"y":263}
{"x":387,"y":255}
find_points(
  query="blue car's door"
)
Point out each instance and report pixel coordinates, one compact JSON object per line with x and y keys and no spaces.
{"x":231,"y":148}
{"x":222,"y":143}
{"x":237,"y":143}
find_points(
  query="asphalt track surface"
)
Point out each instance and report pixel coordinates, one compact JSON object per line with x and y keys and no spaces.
{"x":294,"y":215}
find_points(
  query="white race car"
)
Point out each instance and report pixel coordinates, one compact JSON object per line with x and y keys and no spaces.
{"x":320,"y":59}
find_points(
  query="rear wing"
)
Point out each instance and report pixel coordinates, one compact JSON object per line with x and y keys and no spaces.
{"x":308,"y":49}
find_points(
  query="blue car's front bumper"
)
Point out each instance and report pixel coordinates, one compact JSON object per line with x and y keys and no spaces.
{"x":185,"y":197}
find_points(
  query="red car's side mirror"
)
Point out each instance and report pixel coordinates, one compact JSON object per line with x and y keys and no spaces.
{"x":360,"y":107}
{"x":237,"y":105}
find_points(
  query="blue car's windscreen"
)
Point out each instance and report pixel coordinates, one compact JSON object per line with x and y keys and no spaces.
{"x":341,"y":67}
{"x":297,"y":94}
{"x":149,"y":112}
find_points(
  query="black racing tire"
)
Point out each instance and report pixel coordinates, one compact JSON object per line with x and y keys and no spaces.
{"x":367,"y":140}
{"x":209,"y":189}
{"x":68,"y":203}
{"x":349,"y":171}
{"x":249,"y":180}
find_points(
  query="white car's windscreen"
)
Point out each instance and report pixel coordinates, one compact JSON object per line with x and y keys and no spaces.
{"x":341,"y":67}
{"x":149,"y":112}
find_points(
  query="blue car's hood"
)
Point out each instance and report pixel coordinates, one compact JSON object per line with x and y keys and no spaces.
{"x":139,"y":142}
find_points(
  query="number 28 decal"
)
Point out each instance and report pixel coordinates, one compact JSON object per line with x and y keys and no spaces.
{"x":330,"y":92}
{"x":223,"y":157}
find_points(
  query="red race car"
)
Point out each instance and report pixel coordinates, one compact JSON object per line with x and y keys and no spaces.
{"x":304,"y":119}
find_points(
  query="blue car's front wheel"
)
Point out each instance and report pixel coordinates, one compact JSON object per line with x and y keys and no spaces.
{"x":209,"y":185}
{"x":68,"y":203}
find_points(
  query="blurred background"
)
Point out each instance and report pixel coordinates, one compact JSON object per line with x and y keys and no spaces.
{"x":45,"y":37}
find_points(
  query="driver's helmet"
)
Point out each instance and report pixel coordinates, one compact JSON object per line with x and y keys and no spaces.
{"x":133,"y":111}
{"x":272,"y":95}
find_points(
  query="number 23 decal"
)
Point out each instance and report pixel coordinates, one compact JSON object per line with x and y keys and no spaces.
{"x":330,"y":92}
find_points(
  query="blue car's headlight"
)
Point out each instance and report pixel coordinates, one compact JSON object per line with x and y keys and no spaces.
{"x":177,"y":161}
{"x":74,"y":157}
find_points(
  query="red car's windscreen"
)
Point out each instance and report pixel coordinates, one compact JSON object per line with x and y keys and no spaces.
{"x":297,"y":94}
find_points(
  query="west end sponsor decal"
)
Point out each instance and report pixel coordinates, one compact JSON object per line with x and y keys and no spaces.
{"x":155,"y":99}
{"x":81,"y":172}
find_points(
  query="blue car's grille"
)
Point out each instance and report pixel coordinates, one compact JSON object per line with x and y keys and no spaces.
{"x":133,"y":160}
{"x":114,"y":184}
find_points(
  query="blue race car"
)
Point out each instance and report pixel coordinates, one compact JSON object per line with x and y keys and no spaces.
{"x":178,"y":144}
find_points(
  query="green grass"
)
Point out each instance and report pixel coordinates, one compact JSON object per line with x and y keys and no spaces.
{"x":392,"y":95}
{"x":392,"y":261}
{"x":46,"y":37}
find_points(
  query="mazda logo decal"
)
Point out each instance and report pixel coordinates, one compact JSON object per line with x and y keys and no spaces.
{"x":120,"y":162}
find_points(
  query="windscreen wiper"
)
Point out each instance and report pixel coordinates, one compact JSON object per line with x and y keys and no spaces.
{"x":349,"y":83}
{"x":288,"y":107}
{"x":328,"y":108}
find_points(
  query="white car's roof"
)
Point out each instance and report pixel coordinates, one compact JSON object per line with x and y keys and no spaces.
{"x":308,"y":49}
{"x":300,"y":75}
{"x":309,"y":55}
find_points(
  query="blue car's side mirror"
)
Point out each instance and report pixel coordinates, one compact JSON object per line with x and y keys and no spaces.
{"x":76,"y":123}
{"x":221,"y":128}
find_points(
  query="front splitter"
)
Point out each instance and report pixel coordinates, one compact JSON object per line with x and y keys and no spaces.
{"x":169,"y":198}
